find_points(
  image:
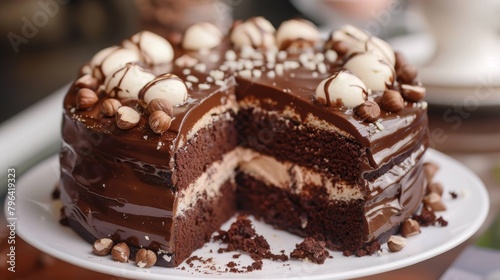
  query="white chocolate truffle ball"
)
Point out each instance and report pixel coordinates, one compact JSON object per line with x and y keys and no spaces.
{"x":127,"y":81}
{"x":166,"y":86}
{"x":152,"y":48}
{"x":257,"y":32}
{"x":357,"y":40}
{"x":375,"y":72}
{"x":202,"y":35}
{"x":108,"y":60}
{"x":294,"y":30}
{"x":342,"y":89}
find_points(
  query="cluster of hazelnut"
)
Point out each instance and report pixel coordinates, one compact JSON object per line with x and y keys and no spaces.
{"x":121,"y":77}
{"x":120,"y":252}
{"x":369,"y":65}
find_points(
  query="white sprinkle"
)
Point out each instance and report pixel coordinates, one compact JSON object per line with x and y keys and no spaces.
{"x":424,"y":105}
{"x":270,"y":65}
{"x":240,"y":65}
{"x":248,"y":64}
{"x":271,"y":74}
{"x":291,"y":64}
{"x":292,"y":75}
{"x":145,"y":137}
{"x":270,"y":57}
{"x":220,"y":83}
{"x":217,"y":74}
{"x":279,"y":69}
{"x":310,"y":65}
{"x":186,"y":61}
{"x":247,"y":52}
{"x":315,"y":74}
{"x":258,"y":62}
{"x":322,"y":68}
{"x":230,"y":55}
{"x":303,"y":58}
{"x":146,"y":237}
{"x":257,"y":56}
{"x":331,"y":55}
{"x":189,"y":84}
{"x":186,"y":71}
{"x":201,"y":67}
{"x":256,"y":73}
{"x":282,"y":55}
{"x":204,"y":86}
{"x":224,"y":67}
{"x":319,"y":57}
{"x":245,"y":73}
{"x":72,"y":110}
{"x":192,"y":78}
{"x":159,"y":145}
{"x":210,"y":79}
{"x":379,"y":125}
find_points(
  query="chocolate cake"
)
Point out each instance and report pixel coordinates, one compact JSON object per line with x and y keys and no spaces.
{"x":164,"y":142}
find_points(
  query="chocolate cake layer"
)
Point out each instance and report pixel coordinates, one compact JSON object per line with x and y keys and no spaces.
{"x":347,"y":220}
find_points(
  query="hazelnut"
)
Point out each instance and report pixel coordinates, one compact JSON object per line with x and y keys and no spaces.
{"x":409,"y":228}
{"x":126,"y":117}
{"x":433,"y":201}
{"x":368,"y":111}
{"x":160,"y":104}
{"x":340,"y":48}
{"x":120,"y":252}
{"x":396,"y":243}
{"x":392,"y":101}
{"x":400,"y":61}
{"x":413,"y":93}
{"x":86,"y":98}
{"x":102,"y":247}
{"x":435,"y":187}
{"x":430,"y":169}
{"x":110,"y":106}
{"x":87,"y":81}
{"x":159,"y":122}
{"x":145,"y":258}
{"x":408,"y":74}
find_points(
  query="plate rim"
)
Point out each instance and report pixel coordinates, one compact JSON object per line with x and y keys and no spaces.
{"x":127,"y":272}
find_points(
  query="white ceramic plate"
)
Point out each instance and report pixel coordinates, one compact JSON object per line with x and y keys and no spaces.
{"x":38,"y":224}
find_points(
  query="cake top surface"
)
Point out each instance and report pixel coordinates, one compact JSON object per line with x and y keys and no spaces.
{"x":144,"y":89}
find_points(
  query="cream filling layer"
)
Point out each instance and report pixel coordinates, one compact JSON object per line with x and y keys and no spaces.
{"x":284,"y":175}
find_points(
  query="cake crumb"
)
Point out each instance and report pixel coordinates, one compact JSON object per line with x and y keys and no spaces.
{"x":241,"y":236}
{"x":454,"y":195}
{"x":312,"y":250}
{"x":427,"y":217}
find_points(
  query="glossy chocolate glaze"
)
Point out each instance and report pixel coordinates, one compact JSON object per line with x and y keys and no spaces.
{"x":121,"y":183}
